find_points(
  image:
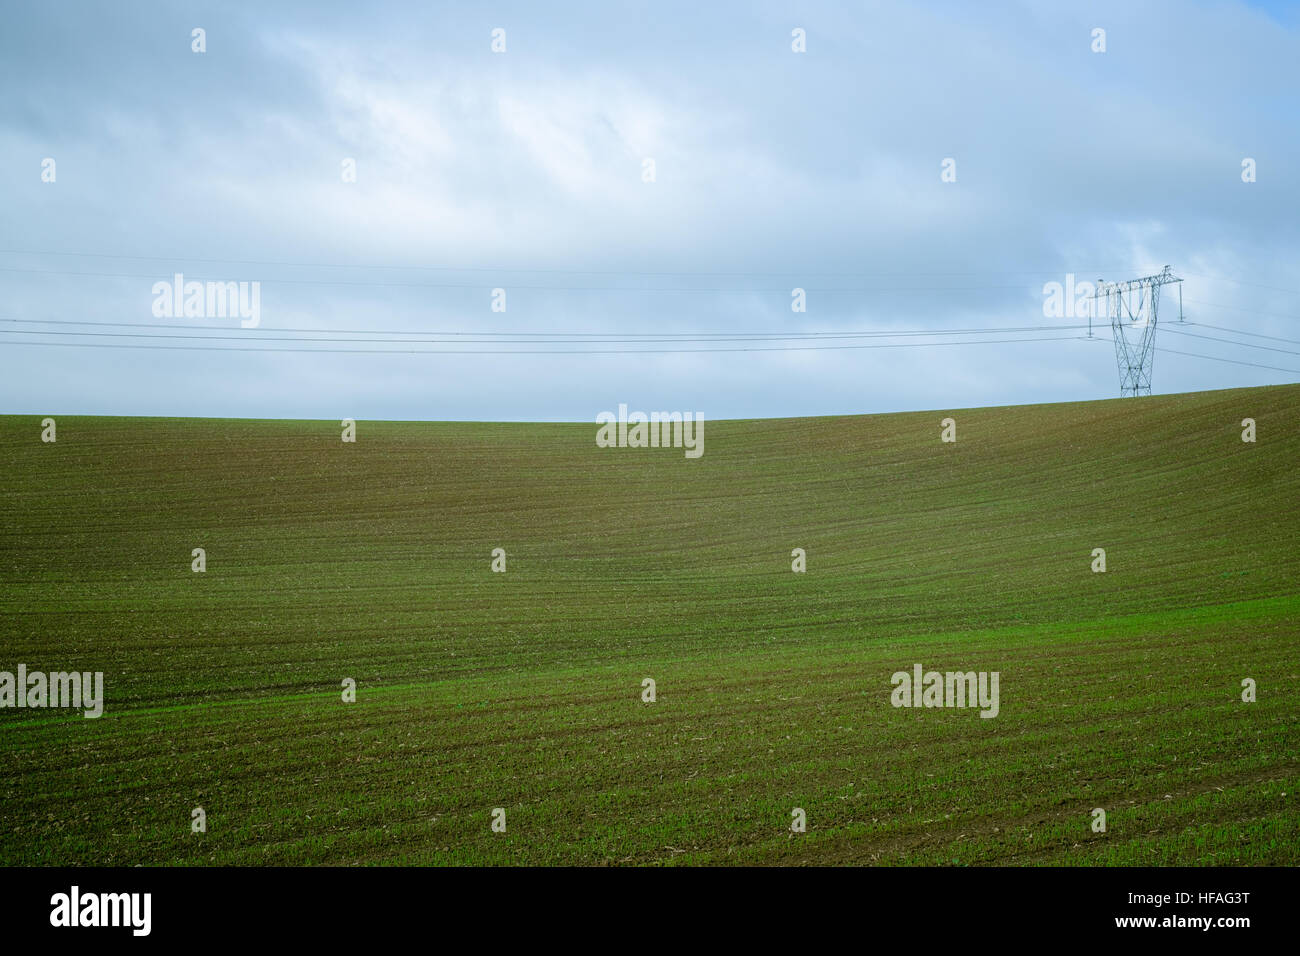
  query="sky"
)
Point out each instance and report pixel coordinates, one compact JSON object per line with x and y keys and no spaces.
{"x":525,"y":170}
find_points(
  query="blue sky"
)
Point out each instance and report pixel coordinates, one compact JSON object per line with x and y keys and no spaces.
{"x":523,"y":170}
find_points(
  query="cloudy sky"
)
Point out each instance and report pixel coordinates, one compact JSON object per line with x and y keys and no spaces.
{"x":526,"y":170}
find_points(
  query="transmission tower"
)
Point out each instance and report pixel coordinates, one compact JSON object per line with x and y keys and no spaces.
{"x":1131,"y":308}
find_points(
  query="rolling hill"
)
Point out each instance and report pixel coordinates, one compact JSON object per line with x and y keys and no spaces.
{"x":372,"y":561}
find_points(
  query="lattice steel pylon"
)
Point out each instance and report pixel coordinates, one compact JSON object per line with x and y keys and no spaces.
{"x":1131,"y":307}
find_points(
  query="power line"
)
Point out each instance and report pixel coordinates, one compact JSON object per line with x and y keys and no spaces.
{"x":512,"y":286}
{"x":444,"y":341}
{"x":583,"y":338}
{"x":587,"y":338}
{"x":1244,"y":345}
{"x":798,"y":348}
{"x":1257,"y":335}
{"x":1213,"y":358}
{"x":530,"y":336}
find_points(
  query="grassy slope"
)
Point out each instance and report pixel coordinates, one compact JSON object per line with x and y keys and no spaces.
{"x":522,"y":690}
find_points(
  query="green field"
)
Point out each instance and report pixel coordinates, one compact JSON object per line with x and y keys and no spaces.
{"x":522,"y":690}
